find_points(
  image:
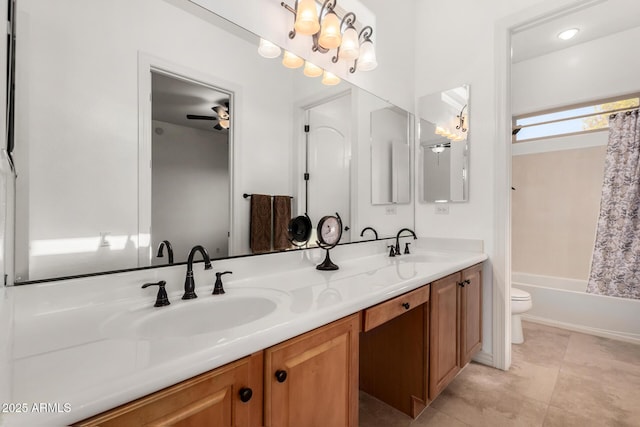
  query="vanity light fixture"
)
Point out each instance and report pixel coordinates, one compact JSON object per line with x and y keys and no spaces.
{"x":568,"y":34}
{"x":268,"y":49}
{"x":291,"y":60}
{"x":366,"y":60}
{"x":307,"y":22}
{"x":312,"y":70}
{"x":333,"y":33}
{"x":330,"y":79}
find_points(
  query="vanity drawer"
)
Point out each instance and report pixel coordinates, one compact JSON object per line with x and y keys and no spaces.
{"x":383,"y":312}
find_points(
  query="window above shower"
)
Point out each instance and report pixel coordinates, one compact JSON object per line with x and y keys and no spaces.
{"x":570,"y":120}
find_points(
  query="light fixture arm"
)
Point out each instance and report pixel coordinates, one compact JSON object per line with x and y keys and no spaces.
{"x":364,"y":36}
{"x":293,"y":10}
{"x":349,"y":19}
{"x":460,"y":125}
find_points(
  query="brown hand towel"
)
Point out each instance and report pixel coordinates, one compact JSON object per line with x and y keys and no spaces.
{"x":260,"y":226}
{"x":281,"y":218}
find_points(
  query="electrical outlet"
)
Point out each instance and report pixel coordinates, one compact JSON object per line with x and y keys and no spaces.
{"x":442,"y":209}
{"x":391,"y":210}
{"x":105,"y":238}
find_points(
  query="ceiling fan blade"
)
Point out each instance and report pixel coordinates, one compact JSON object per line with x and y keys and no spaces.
{"x":197,"y":117}
{"x":218,"y":127}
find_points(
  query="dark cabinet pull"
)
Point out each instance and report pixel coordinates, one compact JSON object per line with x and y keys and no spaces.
{"x":245,"y":394}
{"x":281,"y":376}
{"x":467,"y":282}
{"x":461,"y":284}
{"x":406,"y":305}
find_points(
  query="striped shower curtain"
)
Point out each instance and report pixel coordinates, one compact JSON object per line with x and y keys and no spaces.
{"x":615,"y":266}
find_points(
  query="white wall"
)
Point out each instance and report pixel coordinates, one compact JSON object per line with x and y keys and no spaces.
{"x":599,"y":69}
{"x":190,"y":190}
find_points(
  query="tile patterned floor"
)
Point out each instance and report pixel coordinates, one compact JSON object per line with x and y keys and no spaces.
{"x":558,"y":378}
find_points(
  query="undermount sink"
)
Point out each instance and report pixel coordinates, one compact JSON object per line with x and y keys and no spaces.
{"x":425,"y":257}
{"x":188,"y":318}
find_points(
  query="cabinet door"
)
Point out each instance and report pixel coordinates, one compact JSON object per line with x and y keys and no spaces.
{"x":443,"y":334}
{"x":312,"y":380}
{"x":470,"y":313}
{"x":213,"y":399}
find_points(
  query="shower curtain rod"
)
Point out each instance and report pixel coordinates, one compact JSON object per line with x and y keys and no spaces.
{"x":626,"y":111}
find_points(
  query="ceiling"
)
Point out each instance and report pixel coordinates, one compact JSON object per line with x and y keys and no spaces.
{"x":172,"y":99}
{"x":595,"y":19}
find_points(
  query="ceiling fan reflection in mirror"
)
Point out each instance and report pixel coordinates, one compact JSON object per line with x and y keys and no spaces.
{"x":221,"y":115}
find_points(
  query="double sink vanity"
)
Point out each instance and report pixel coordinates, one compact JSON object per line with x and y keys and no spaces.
{"x":283,"y":344}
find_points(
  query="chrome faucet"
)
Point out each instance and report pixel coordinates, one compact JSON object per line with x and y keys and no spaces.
{"x":369,"y":228}
{"x":189,"y":283}
{"x":161,"y":246}
{"x":398,"y":238}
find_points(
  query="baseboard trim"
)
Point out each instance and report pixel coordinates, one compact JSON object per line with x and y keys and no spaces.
{"x":484,"y":358}
{"x":580,"y":328}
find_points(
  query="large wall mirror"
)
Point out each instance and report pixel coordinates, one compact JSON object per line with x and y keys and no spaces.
{"x":143,"y":121}
{"x":444,"y":146}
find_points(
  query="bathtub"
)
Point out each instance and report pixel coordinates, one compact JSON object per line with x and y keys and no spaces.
{"x":564,"y":303}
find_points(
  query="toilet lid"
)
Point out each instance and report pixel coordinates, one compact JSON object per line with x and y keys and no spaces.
{"x":519,"y":295}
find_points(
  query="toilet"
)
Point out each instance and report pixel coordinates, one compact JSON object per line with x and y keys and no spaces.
{"x":520,"y":303}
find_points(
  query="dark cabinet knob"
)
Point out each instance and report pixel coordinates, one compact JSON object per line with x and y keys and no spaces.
{"x":406,"y":305}
{"x":281,"y":376}
{"x":467,"y":282}
{"x":245,"y":394}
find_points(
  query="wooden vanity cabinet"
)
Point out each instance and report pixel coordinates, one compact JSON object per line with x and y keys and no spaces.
{"x":312,"y":380}
{"x":455,"y":332}
{"x":212,"y":399}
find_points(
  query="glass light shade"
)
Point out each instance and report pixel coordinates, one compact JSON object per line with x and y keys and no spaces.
{"x":311,"y":70}
{"x":350,"y":48}
{"x":268,"y":49}
{"x":307,"y":18}
{"x":437,"y":149}
{"x":224,"y":123}
{"x":439,"y":130}
{"x":367,"y":59}
{"x":330,"y":79}
{"x":291,"y":61}
{"x":330,"y":32}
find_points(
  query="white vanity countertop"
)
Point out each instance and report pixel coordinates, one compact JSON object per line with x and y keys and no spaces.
{"x":65,"y":349}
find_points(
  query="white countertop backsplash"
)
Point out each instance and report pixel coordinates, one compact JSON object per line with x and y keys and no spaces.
{"x":55,"y":349}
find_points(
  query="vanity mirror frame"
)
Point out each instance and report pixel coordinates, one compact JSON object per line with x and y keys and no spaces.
{"x":161,"y":65}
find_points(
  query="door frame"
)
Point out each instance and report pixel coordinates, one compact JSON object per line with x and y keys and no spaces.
{"x":504,"y":28}
{"x":147,"y":64}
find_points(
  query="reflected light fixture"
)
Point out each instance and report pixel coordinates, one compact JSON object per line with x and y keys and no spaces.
{"x":307,"y":22}
{"x":330,"y":79}
{"x":291,"y":60}
{"x":568,"y":34}
{"x":312,"y":70}
{"x":266,"y":49}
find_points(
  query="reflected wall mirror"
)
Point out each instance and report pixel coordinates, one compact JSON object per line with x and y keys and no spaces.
{"x":390,"y":156}
{"x":82,"y":69}
{"x":444,"y":146}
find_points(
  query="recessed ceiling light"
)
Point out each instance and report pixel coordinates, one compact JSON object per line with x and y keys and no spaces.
{"x":568,"y":34}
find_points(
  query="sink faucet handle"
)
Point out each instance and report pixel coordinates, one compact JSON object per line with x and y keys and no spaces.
{"x":392,"y":251}
{"x":161,"y":299}
{"x":406,"y":248}
{"x":218,"y":289}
